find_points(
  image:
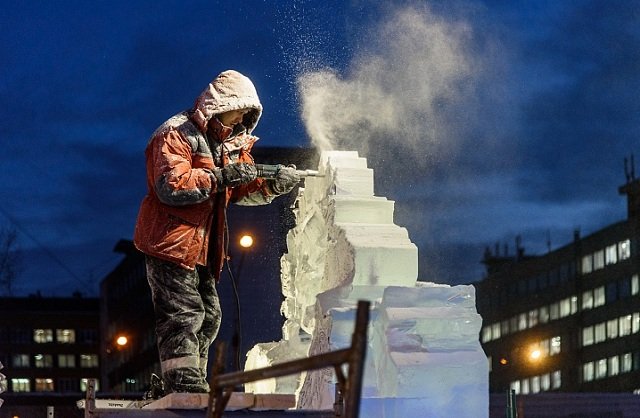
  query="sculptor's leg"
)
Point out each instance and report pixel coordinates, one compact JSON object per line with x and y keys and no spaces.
{"x":212,"y":318}
{"x":179,"y":314}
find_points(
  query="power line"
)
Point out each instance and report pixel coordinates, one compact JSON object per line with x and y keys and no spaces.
{"x":44,"y":248}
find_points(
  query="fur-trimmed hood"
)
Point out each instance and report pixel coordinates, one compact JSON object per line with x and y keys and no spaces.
{"x":230,"y":90}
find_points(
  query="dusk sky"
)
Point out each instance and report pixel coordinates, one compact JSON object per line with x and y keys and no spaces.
{"x":482,"y":119}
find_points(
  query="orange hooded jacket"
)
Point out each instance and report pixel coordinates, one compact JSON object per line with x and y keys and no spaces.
{"x":183,"y":209}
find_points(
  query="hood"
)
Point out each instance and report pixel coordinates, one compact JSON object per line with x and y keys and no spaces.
{"x":230,"y":90}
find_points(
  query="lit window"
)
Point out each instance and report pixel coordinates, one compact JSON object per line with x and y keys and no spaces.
{"x":533,"y":318}
{"x":524,"y":386}
{"x":635,"y":285}
{"x":66,"y":360}
{"x":587,"y":372}
{"x":486,"y":334}
{"x":555,"y":345}
{"x":84,"y":383}
{"x":611,"y":254}
{"x":601,"y":368}
{"x":587,"y":300}
{"x":65,"y":336}
{"x":574,"y":304}
{"x":612,"y":328}
{"x":598,"y":260}
{"x":44,"y":385}
{"x":587,"y":336}
{"x":43,"y":361}
{"x":513,"y":323}
{"x":565,"y":307}
{"x":556,"y":379}
{"x":20,"y":360}
{"x":624,"y":250}
{"x":587,"y":264}
{"x":543,"y":315}
{"x":88,"y":360}
{"x":627,"y":363}
{"x":625,"y":325}
{"x":598,"y":296}
{"x":20,"y":385}
{"x":535,"y":384}
{"x":545,"y":382}
{"x":504,"y":327}
{"x":43,"y":335}
{"x":522,"y":321}
{"x":495,"y":331}
{"x":635,"y":323}
{"x":515,"y":386}
{"x":613,"y":366}
{"x":554,"y":311}
{"x":600,"y":332}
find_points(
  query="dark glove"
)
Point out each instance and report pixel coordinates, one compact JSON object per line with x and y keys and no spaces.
{"x":236,"y":174}
{"x":286,"y":179}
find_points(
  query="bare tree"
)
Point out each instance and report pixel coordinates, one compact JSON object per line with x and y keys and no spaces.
{"x":9,"y":260}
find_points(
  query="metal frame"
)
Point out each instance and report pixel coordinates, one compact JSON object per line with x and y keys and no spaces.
{"x":348,"y":388}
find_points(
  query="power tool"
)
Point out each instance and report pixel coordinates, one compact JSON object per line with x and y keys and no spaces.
{"x":270,"y":171}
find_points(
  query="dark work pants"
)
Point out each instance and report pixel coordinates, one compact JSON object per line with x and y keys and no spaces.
{"x":188,"y":315}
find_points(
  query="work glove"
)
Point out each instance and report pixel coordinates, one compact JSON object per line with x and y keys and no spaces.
{"x":286,"y":179}
{"x":235,"y":174}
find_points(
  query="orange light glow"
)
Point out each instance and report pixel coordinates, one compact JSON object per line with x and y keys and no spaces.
{"x":122,"y":340}
{"x":246,"y":241}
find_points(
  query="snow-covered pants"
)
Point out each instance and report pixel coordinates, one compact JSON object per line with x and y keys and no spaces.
{"x":188,"y":315}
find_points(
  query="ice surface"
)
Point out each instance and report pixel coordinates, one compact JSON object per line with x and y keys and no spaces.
{"x":423,"y":356}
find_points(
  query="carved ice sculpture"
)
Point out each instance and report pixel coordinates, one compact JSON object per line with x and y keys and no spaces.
{"x":424,"y":357}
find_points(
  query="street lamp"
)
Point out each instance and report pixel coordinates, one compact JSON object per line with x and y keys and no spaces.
{"x":121,"y":341}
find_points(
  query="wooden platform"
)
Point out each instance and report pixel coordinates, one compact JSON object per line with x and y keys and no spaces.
{"x":238,"y":400}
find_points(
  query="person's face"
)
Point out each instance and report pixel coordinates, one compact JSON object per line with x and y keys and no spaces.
{"x":232,"y":117}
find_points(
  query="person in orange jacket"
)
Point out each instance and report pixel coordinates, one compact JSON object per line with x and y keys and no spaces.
{"x":197,"y":162}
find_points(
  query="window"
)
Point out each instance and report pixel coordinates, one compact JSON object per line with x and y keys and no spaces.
{"x":587,"y":372}
{"x":612,"y":328}
{"x":66,"y":360}
{"x":624,"y":250}
{"x":555,"y":345}
{"x":21,"y":336}
{"x":87,"y":336}
{"x":600,"y":333}
{"x":612,"y":292}
{"x":601,"y":368}
{"x":545,"y":382}
{"x":554,"y":311}
{"x":524,"y":386}
{"x":587,"y":264}
{"x":625,"y":325}
{"x":565,"y":307}
{"x":486,"y":334}
{"x":43,"y":335}
{"x":635,"y":323}
{"x":587,"y":300}
{"x":533,"y":318}
{"x":20,"y":360}
{"x":613,"y":366}
{"x":20,"y":385}
{"x":587,"y":336}
{"x":598,"y":296}
{"x":626,"y":364}
{"x":556,"y":379}
{"x":624,"y":288}
{"x":544,"y":314}
{"x":65,"y":336}
{"x":535,"y":384}
{"x":43,"y":361}
{"x":574,"y":304}
{"x":611,"y":254}
{"x":515,"y":386}
{"x":88,"y":360}
{"x":68,"y":385}
{"x":598,"y":260}
{"x":635,"y":286}
{"x":522,"y":321}
{"x":44,"y":384}
{"x":84,"y":383}
{"x":495,"y":331}
{"x":504,"y":327}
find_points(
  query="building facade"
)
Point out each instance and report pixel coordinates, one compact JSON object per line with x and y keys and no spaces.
{"x":568,"y":320}
{"x":49,"y":348}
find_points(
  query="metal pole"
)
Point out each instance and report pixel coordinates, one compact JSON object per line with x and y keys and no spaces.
{"x":512,"y":409}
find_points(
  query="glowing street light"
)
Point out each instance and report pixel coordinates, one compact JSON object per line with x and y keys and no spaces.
{"x":246,"y":241}
{"x":121,"y":341}
{"x":535,"y":355}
